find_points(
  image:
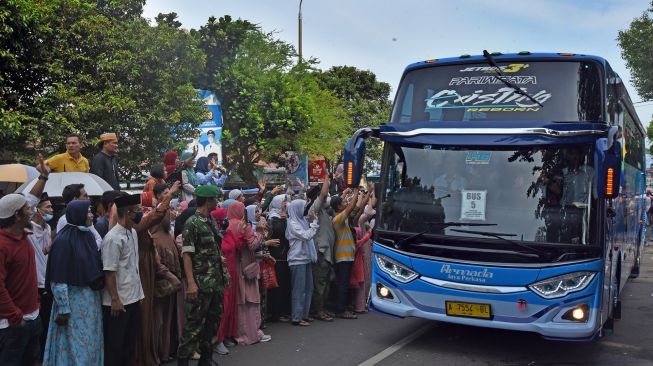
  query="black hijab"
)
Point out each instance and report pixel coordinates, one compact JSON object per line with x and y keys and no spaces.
{"x":74,"y":258}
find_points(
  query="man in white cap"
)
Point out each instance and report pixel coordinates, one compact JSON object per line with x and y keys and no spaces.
{"x":20,"y":325}
{"x":236,"y":195}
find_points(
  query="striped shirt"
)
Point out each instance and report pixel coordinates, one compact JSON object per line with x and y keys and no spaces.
{"x":345,"y":244}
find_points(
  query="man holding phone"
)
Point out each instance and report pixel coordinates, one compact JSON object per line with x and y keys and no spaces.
{"x":345,"y":249}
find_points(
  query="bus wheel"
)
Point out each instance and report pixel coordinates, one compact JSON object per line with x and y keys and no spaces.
{"x":616,"y":308}
{"x":634,"y":273}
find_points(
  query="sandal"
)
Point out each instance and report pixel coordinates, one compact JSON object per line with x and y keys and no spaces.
{"x":347,"y":315}
{"x":324,"y":317}
{"x":284,"y":319}
{"x":302,"y":323}
{"x":310,"y":319}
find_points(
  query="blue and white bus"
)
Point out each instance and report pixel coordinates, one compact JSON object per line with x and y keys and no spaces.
{"x":511,"y":194}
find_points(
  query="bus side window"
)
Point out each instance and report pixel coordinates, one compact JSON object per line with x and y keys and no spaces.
{"x":407,"y":105}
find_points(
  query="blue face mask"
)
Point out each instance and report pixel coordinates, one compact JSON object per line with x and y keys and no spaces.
{"x":138,"y":217}
{"x":47,"y":217}
{"x":84,"y":228}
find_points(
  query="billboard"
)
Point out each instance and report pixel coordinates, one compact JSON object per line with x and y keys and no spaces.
{"x":210,"y":131}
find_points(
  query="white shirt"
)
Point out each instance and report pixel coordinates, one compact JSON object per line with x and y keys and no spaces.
{"x":41,"y":238}
{"x":63,"y":221}
{"x":120,"y":255}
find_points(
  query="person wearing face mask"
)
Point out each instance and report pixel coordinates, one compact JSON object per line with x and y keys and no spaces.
{"x":20,"y":326}
{"x":123,"y":291}
{"x":41,"y":240}
{"x":74,"y":275}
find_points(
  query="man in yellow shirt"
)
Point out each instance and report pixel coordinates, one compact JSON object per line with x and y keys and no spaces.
{"x":70,"y":161}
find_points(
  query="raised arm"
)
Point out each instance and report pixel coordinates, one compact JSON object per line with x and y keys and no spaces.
{"x":324,"y":193}
{"x":351,"y":204}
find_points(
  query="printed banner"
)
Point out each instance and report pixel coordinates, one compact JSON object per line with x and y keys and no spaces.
{"x":210,"y":131}
{"x":296,"y":167}
{"x":317,"y":171}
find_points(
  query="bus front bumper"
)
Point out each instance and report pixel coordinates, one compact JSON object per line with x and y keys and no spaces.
{"x":519,"y":311}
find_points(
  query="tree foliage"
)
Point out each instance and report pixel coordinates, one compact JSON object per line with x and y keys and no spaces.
{"x":636,"y":44}
{"x":364,"y":97}
{"x":104,"y":68}
{"x":94,"y":66}
{"x":269,"y":104}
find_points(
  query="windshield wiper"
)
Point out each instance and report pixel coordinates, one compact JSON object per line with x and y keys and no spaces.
{"x":401,"y":242}
{"x":502,"y":236}
{"x":508,"y":83}
{"x":447,"y":224}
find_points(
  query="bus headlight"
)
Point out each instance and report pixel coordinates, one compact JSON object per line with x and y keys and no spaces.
{"x":394,"y":269}
{"x":563,"y":285}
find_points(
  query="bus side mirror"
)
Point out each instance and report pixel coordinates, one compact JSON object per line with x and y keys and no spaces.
{"x":354,"y":157}
{"x":607,"y":165}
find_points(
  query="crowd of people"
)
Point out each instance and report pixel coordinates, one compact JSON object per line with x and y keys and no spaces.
{"x":180,"y":271}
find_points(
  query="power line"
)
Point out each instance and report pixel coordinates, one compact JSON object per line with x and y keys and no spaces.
{"x":644,"y":102}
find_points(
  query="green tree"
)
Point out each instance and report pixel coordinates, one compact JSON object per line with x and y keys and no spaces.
{"x":364,"y":97}
{"x":107,"y":69}
{"x":636,"y":44}
{"x":23,"y":71}
{"x":269,"y":104}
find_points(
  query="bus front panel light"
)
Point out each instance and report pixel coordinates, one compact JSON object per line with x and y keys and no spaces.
{"x":579,"y":313}
{"x":560,"y":286}
{"x":394,"y":269}
{"x":384,"y":292}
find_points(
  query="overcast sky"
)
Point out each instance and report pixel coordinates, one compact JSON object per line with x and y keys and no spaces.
{"x":386,"y":35}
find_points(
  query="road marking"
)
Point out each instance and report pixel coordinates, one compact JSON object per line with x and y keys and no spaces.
{"x":620,"y":345}
{"x":397,"y":346}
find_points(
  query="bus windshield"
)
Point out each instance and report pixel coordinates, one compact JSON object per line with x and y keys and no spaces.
{"x":567,"y":91}
{"x":532,"y":194}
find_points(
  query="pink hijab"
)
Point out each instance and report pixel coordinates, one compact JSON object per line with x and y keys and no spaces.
{"x":235,"y":214}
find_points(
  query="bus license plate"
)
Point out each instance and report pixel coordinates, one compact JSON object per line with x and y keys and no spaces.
{"x":468,"y":309}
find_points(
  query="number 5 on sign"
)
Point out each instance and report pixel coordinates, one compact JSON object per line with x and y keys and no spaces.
{"x":473,"y":205}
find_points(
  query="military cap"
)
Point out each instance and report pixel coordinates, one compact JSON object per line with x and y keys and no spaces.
{"x":208,"y":191}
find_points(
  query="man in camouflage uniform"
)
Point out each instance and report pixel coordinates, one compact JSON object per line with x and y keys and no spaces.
{"x":206,"y":278}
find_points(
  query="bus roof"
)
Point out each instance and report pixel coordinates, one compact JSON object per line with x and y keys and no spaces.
{"x":524,"y":55}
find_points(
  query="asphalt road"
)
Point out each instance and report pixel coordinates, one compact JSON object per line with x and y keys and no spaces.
{"x":379,"y":340}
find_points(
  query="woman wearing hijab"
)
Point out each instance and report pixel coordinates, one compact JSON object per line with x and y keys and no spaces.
{"x":229,"y":321}
{"x":170,"y":161}
{"x":203,"y":173}
{"x":253,"y":216}
{"x":278,"y":299}
{"x":74,"y":275}
{"x":247,"y":295}
{"x":188,"y":178}
{"x":164,"y":330}
{"x":300,"y":256}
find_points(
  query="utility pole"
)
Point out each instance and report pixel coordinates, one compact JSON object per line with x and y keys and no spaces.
{"x":300,"y":30}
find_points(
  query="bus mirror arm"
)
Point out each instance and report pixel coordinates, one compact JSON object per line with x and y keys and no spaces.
{"x":354,"y":155}
{"x":612,"y":137}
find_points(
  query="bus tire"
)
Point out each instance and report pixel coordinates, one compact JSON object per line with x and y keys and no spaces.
{"x":616,"y":308}
{"x":634,"y":273}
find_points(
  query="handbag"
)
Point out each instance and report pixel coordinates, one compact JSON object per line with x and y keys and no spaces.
{"x":164,"y":287}
{"x":269,"y":275}
{"x":251,"y":271}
